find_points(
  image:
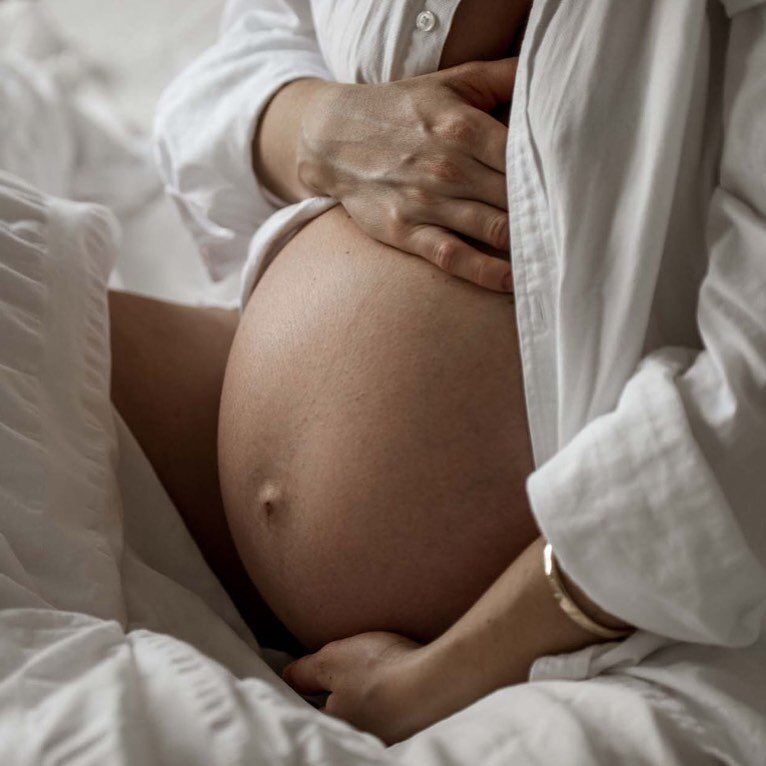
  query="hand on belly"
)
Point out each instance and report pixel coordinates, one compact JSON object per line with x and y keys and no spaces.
{"x":373,"y":443}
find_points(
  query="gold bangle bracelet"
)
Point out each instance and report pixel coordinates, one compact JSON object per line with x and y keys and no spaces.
{"x":567,"y":604}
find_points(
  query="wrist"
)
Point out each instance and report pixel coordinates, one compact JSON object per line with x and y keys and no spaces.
{"x":434,"y":684}
{"x":590,"y":607}
{"x":317,"y":128}
{"x":455,"y":672}
{"x":277,"y":138}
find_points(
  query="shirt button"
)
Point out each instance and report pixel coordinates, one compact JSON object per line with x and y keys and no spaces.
{"x":425,"y":21}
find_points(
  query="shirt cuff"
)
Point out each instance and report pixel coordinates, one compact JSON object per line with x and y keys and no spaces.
{"x":205,"y":125}
{"x":637,"y":519}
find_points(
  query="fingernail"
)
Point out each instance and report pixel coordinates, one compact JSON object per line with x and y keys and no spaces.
{"x":508,"y":282}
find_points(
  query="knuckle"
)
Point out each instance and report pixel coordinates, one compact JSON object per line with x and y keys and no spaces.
{"x":497,"y":230}
{"x":458,"y":128}
{"x":445,"y":170}
{"x":398,"y":219}
{"x":468,"y":70}
{"x":421,"y":197}
{"x":482,"y":274}
{"x":475,"y":68}
{"x":445,"y":255}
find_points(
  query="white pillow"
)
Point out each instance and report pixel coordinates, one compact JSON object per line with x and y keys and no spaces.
{"x":60,"y":527}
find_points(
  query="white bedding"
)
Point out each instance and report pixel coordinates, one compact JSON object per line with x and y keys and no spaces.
{"x":113,"y":60}
{"x":117,"y":644}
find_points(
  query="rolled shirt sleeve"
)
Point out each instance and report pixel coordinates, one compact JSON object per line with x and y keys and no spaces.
{"x":207,"y":117}
{"x":656,"y":509}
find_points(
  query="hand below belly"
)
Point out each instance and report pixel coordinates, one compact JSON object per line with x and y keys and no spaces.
{"x":373,"y":443}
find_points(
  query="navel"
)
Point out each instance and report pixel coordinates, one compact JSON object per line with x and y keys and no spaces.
{"x":269,"y":498}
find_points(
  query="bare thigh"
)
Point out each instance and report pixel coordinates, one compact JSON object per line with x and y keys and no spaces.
{"x":168,"y":363}
{"x":373,"y":439}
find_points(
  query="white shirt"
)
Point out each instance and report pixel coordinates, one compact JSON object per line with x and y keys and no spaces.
{"x":636,"y":169}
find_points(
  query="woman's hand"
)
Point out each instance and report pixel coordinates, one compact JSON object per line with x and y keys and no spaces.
{"x":393,"y":687}
{"x":417,"y":162}
{"x":378,"y":682}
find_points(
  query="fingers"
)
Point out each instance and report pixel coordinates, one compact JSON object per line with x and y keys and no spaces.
{"x":464,"y":178}
{"x":455,"y":257}
{"x":484,"y":185}
{"x":484,"y":84}
{"x":470,"y":133}
{"x":476,"y":220}
{"x":309,"y":675}
{"x":491,"y":143}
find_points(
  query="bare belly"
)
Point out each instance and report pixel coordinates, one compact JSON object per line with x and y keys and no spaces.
{"x":372,"y":442}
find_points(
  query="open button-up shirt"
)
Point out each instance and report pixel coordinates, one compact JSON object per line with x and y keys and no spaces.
{"x":636,"y":168}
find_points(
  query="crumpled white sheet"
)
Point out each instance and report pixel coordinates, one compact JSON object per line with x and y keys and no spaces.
{"x":85,"y":135}
{"x":117,"y":644}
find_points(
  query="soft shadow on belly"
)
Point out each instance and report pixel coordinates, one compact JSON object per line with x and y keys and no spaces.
{"x":373,"y":443}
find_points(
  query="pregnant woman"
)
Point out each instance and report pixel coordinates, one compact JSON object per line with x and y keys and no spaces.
{"x":373,"y":444}
{"x":375,"y":434}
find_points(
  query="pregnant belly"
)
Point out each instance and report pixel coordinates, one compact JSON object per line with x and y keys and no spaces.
{"x":372,"y":443}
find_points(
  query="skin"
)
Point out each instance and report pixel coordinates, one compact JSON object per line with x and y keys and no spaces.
{"x":438,"y":164}
{"x":373,"y":441}
{"x":168,"y":363}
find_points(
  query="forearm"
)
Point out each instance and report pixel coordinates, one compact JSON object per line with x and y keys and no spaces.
{"x":394,"y":687}
{"x":513,"y":624}
{"x":275,"y":144}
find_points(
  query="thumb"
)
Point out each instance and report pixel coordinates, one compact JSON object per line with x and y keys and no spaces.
{"x":307,"y":675}
{"x":484,"y":84}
